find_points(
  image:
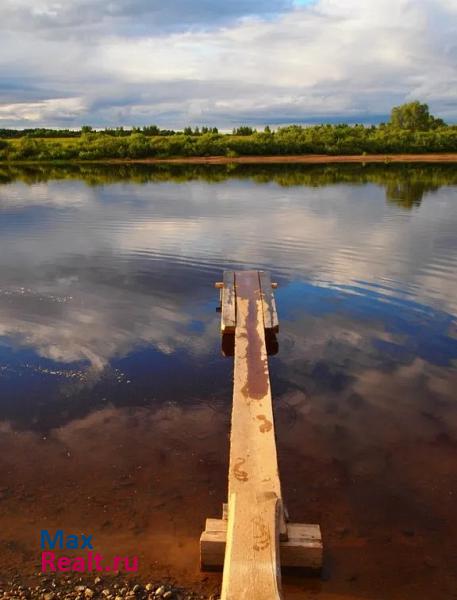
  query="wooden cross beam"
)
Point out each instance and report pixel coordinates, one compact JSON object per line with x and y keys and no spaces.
{"x":253,"y":539}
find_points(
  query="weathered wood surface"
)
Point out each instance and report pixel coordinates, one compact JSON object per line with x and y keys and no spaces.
{"x":252,"y":533}
{"x":252,"y":567}
{"x":270,"y":315}
{"x":303,"y":548}
{"x":255,"y":515}
{"x":228,"y":309}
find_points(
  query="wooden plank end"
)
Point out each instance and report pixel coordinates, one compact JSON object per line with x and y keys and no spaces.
{"x":228,"y":301}
{"x":270,"y":315}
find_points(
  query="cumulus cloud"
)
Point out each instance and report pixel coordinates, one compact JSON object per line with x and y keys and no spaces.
{"x":62,"y":109}
{"x":137,"y":62}
{"x":134,"y":16}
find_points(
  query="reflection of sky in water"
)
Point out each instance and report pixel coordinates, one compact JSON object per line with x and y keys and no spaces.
{"x":115,"y":399}
{"x":419,"y":330}
{"x":106,"y":285}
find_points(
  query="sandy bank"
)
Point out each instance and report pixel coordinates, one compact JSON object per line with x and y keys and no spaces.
{"x":301,"y":159}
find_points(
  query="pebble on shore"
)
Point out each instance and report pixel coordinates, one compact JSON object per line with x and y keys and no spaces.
{"x":109,"y":589}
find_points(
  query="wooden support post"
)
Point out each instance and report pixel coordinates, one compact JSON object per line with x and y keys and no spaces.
{"x":270,"y":316}
{"x":254,"y":531}
{"x":302,"y":549}
{"x":228,"y":313}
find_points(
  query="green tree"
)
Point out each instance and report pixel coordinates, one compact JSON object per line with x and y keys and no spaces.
{"x":244,"y":130}
{"x":151,"y":130}
{"x":414,"y":116}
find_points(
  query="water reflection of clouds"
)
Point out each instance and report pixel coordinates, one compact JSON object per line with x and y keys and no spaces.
{"x":131,"y":265}
{"x":95,"y":324}
{"x":20,"y":196}
{"x":114,"y":284}
{"x":340,"y":394}
{"x":335,"y":233}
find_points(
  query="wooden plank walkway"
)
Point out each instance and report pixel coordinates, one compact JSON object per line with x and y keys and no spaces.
{"x":256,"y":524}
{"x":255,"y":508}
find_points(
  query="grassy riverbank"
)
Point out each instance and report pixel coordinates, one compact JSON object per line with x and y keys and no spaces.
{"x":305,"y":144}
{"x":412,"y":134}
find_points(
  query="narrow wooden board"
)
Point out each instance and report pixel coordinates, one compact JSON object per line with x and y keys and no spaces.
{"x":255,"y":513}
{"x":228,"y":311}
{"x":251,"y":562}
{"x":303,"y":548}
{"x":270,"y":315}
{"x":248,"y":538}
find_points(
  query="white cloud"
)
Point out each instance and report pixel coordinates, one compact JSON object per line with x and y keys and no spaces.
{"x":54,"y":108}
{"x":122,"y":64}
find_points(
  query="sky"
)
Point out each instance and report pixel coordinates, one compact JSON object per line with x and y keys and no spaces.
{"x":65,"y":63}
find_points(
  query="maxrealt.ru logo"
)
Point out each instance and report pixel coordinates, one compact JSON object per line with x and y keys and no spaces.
{"x":89,"y":561}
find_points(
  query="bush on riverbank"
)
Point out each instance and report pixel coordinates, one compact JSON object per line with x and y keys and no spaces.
{"x":411,"y":130}
{"x":323,"y":139}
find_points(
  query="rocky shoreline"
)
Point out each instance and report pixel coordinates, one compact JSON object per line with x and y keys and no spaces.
{"x":110,"y":588}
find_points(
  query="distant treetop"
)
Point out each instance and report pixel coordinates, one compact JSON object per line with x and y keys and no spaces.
{"x":414,"y":116}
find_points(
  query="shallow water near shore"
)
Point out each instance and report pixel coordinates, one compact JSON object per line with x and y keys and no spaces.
{"x":115,"y":399}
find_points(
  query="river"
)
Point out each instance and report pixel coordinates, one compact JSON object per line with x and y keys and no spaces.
{"x":115,"y":398}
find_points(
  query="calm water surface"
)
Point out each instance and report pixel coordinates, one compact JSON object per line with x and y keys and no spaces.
{"x":115,"y":399}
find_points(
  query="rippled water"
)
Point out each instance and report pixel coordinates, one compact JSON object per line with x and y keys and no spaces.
{"x":115,"y":399}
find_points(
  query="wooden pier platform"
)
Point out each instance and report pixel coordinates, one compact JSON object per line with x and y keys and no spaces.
{"x":253,"y":539}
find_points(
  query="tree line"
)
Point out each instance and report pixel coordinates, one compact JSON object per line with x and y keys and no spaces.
{"x":411,"y":129}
